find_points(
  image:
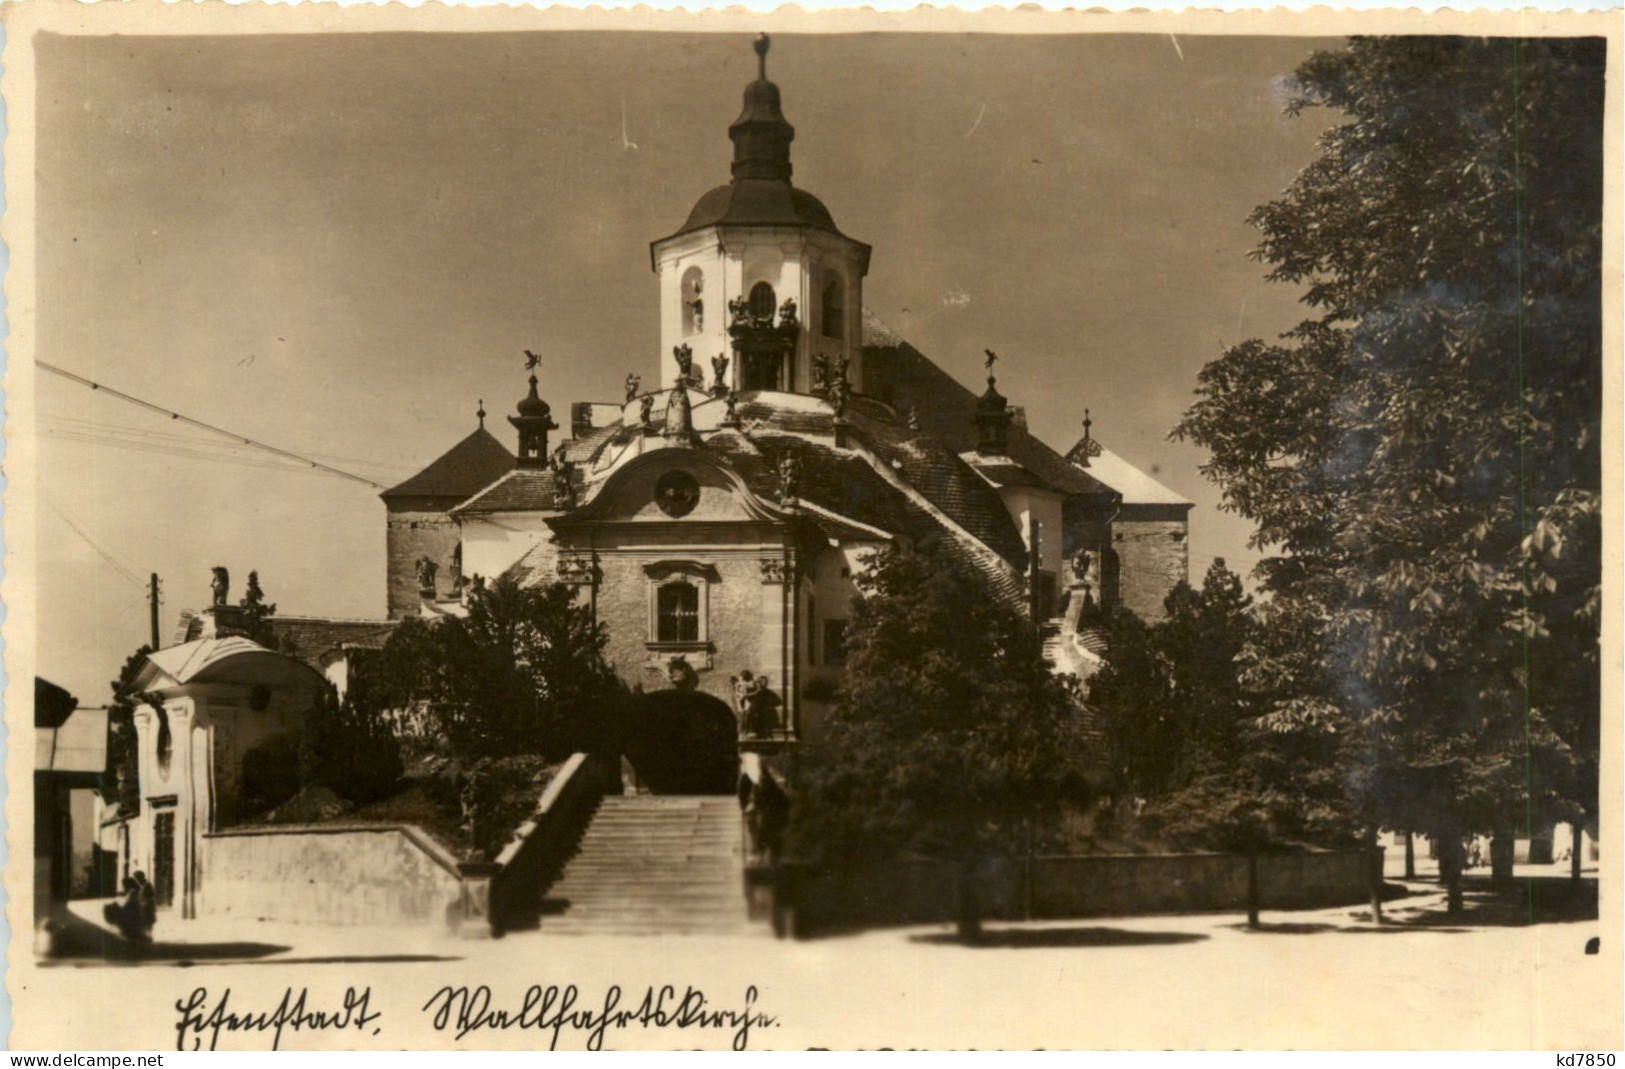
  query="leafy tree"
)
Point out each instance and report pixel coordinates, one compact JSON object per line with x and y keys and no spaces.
{"x":349,"y":745}
{"x":121,"y":780}
{"x":1423,"y":454}
{"x":523,"y":672}
{"x":949,"y":735}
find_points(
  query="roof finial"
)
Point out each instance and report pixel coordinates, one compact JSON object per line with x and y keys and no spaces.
{"x":763,"y":43}
{"x":481,"y":413}
{"x":992,"y":358}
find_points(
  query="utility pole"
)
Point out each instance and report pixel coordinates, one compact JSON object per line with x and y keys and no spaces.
{"x":152,"y":604}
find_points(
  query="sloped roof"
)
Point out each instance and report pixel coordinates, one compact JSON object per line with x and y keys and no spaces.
{"x":1136,"y":486}
{"x":844,"y":482}
{"x":520,"y":490}
{"x":946,"y":407}
{"x":464,"y":469}
{"x":233,"y":658}
{"x":312,"y":636}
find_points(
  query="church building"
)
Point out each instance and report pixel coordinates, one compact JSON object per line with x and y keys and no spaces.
{"x":715,"y":518}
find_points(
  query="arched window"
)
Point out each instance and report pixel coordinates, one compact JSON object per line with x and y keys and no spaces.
{"x":692,"y":294}
{"x":763,"y":301}
{"x":832,"y":312}
{"x":677,"y":612}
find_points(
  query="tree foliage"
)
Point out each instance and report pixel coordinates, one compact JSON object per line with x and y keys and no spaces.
{"x":522,"y":673}
{"x":949,"y":735}
{"x":121,"y":780}
{"x":349,"y":745}
{"x":1184,"y":728}
{"x":1422,"y":455}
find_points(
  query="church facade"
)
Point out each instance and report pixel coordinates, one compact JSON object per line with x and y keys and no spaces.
{"x":715,"y":519}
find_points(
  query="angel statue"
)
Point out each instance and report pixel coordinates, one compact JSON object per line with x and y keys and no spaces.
{"x":532,"y":360}
{"x":787,"y":313}
{"x":646,"y":410}
{"x":685,"y":363}
{"x":719,"y":364}
{"x":739,"y":311}
{"x":633,"y":384}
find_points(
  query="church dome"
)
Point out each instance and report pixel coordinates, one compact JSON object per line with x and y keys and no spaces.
{"x":759,"y":202}
{"x":760,"y":193}
{"x":533,"y":405}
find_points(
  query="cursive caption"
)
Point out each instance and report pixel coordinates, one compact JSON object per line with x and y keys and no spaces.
{"x":556,"y":1010}
{"x":198,"y":1018}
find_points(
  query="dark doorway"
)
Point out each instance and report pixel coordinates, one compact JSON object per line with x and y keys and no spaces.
{"x":163,"y":857}
{"x":682,"y":742}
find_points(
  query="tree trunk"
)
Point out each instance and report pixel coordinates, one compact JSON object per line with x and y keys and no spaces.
{"x":1574,"y":852}
{"x":1502,"y":847}
{"x":1374,"y":873}
{"x":1452,"y":858}
{"x":970,"y":903}
{"x":1410,"y":856}
{"x":1252,"y":888}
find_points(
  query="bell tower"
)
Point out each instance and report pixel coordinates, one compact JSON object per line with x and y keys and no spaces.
{"x":759,"y":284}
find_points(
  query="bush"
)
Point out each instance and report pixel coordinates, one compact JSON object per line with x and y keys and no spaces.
{"x":349,"y":749}
{"x":270,"y":772}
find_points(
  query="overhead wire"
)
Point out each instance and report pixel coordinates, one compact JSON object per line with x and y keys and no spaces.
{"x":211,"y":428}
{"x":103,"y":552}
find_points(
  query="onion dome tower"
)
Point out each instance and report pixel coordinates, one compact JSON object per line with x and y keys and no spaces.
{"x":759,"y":272}
{"x":993,"y":417}
{"x":533,"y":422}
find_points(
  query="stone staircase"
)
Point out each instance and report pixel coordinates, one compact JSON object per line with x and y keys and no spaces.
{"x":654,"y":864}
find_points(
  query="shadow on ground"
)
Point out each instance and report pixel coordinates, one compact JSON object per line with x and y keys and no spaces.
{"x":1028,"y":938}
{"x":76,"y":943}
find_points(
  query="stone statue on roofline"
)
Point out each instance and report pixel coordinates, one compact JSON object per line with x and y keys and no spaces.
{"x":739,"y":312}
{"x":685,"y":363}
{"x":633,"y":384}
{"x":564,"y":489}
{"x":789,"y":477}
{"x":787,"y":313}
{"x":220,"y":585}
{"x":730,"y":418}
{"x":719,"y":365}
{"x":646,"y":410}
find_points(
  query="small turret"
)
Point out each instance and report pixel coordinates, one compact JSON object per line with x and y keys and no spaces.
{"x":533,"y":422}
{"x":992,"y":416}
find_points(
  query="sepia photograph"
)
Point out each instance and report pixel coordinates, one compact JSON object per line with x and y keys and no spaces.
{"x":549,"y":530}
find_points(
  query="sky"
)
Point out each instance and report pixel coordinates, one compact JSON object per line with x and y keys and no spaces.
{"x":340,"y":244}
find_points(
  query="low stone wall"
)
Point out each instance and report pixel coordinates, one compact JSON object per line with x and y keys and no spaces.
{"x":542,"y":845}
{"x":350,"y":875}
{"x":926,"y":891}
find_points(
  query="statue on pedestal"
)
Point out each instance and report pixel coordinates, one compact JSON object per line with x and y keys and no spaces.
{"x":719,"y":365}
{"x":647,"y":409}
{"x":427,"y":570}
{"x":633,"y":383}
{"x":220,"y":584}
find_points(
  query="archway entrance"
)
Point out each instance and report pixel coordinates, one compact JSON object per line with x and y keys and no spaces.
{"x":682,"y":742}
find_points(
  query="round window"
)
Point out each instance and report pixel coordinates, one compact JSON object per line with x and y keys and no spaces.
{"x":677,"y":492}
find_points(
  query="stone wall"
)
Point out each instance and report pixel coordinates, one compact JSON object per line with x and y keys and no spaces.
{"x":742,"y":619}
{"x":1153,"y":556}
{"x":418,"y":527}
{"x":383,"y":875}
{"x":926,"y":891}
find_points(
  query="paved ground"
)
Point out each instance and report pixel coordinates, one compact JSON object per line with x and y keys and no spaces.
{"x":1323,"y":978}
